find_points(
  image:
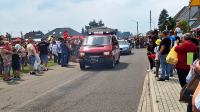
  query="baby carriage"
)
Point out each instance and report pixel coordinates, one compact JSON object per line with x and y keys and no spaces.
{"x":37,"y":66}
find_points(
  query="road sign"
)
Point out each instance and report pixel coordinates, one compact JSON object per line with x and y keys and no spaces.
{"x":194,"y":2}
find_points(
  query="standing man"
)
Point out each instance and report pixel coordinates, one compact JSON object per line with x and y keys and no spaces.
{"x":43,"y":51}
{"x":164,"y":50}
{"x":31,"y":55}
{"x":64,"y":54}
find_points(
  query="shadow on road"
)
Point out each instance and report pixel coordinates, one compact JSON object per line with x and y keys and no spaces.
{"x":119,"y":67}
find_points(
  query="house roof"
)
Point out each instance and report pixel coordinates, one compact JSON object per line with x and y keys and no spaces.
{"x":183,"y":14}
{"x":34,"y":35}
{"x":58,"y":32}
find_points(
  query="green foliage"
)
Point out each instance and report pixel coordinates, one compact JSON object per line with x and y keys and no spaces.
{"x":162,"y":21}
{"x":8,"y":36}
{"x":183,"y":24}
{"x":172,"y":23}
{"x":93,"y":24}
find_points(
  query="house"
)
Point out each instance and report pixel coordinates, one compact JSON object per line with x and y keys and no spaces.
{"x":35,"y":35}
{"x":58,"y":32}
{"x":183,"y":14}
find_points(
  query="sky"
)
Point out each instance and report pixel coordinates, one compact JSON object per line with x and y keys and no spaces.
{"x":27,"y":15}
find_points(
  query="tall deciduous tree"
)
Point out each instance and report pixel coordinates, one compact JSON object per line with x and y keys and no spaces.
{"x":183,"y":24}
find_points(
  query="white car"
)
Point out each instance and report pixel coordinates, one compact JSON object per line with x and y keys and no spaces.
{"x":125,"y":47}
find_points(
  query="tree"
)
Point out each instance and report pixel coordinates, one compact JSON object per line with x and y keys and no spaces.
{"x":172,"y":24}
{"x":93,"y":24}
{"x":183,"y":24}
{"x":101,"y":24}
{"x":8,"y":36}
{"x":163,"y":19}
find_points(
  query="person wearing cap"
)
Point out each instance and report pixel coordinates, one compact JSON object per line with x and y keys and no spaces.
{"x":164,"y":51}
{"x":157,"y":61}
{"x":182,"y":50}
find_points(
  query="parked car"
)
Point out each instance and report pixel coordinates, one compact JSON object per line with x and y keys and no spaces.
{"x":125,"y":47}
{"x":99,"y":50}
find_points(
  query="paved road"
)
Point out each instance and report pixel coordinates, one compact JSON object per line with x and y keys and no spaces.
{"x":72,"y":90}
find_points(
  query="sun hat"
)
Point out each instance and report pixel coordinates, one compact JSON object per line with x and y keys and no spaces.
{"x":158,"y":41}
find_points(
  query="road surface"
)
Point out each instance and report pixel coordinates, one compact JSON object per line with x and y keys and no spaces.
{"x":73,"y":90}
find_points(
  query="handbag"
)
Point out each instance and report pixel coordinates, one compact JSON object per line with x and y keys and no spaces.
{"x":188,"y":90}
{"x":172,"y":57}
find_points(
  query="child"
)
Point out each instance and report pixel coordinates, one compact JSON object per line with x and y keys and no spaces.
{"x":157,"y":61}
{"x":16,"y":65}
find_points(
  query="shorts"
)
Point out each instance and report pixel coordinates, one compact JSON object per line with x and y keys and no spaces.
{"x":31,"y":60}
{"x":44,"y":58}
{"x":16,"y":67}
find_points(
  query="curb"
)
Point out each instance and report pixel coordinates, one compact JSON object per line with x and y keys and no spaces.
{"x":153,"y":95}
{"x":143,"y":94}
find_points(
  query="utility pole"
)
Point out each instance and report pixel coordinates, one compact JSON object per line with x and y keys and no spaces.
{"x":138,"y":33}
{"x":150,"y":21}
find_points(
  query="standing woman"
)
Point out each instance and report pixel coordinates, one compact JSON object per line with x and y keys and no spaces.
{"x":182,"y":50}
{"x":7,"y":60}
{"x":150,"y":51}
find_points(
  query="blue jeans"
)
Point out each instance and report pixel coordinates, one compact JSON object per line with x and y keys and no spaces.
{"x":7,"y":69}
{"x":31,"y":59}
{"x":165,"y":67}
{"x":44,"y":58}
{"x":171,"y":69}
{"x":64,"y":59}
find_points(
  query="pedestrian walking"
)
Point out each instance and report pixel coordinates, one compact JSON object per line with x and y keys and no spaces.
{"x":164,"y":50}
{"x":182,"y":49}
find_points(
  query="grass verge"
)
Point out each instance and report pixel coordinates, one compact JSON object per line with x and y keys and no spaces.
{"x":26,"y":69}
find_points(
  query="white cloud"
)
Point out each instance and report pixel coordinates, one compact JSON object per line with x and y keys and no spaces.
{"x":27,"y":15}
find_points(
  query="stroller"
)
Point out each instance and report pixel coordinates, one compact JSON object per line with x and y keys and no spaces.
{"x":37,"y":66}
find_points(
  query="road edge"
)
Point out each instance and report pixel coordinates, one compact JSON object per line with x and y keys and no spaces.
{"x":139,"y":109}
{"x":153,"y":95}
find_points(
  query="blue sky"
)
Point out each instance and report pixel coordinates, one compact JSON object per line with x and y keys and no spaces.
{"x":45,"y":15}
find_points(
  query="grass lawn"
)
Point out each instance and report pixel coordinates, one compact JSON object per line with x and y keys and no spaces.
{"x":26,"y":69}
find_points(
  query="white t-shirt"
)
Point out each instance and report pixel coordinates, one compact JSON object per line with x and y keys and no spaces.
{"x":55,"y":49}
{"x":156,"y":50}
{"x":179,"y":32}
{"x":31,"y":50}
